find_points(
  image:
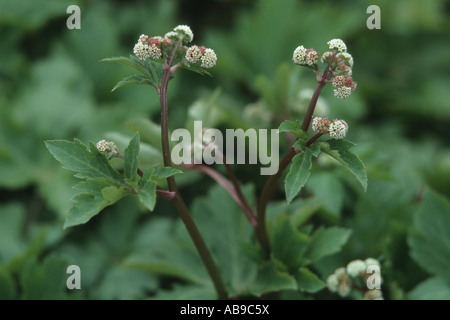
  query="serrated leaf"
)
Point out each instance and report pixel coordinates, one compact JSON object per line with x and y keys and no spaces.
{"x":327,"y":241}
{"x":430,"y":239}
{"x":301,"y":145}
{"x":288,"y":244}
{"x":96,"y":194}
{"x":158,"y":172}
{"x":134,"y":63}
{"x":75,"y":156}
{"x":147,"y":194}
{"x":134,"y":79}
{"x":434,"y":288}
{"x":298,"y":174}
{"x":339,"y":149}
{"x":294,"y":127}
{"x":270,"y":279}
{"x":131,"y":158}
{"x":308,"y":281}
{"x":46,"y":281}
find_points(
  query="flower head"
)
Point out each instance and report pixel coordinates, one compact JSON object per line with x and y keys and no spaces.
{"x":345,"y":286}
{"x":193,"y":54}
{"x":342,"y":92}
{"x":337,"y":130}
{"x":371,"y":262}
{"x":154,"y":52}
{"x":326,"y":56}
{"x":338,"y":81}
{"x":141,"y":51}
{"x":356,"y":267}
{"x":347,"y":58}
{"x":299,"y":55}
{"x":320,"y":124}
{"x":185,"y":32}
{"x":337,"y":44}
{"x":172,"y":35}
{"x":332,"y":282}
{"x":108,"y":148}
{"x":311,"y":57}
{"x":209,"y":58}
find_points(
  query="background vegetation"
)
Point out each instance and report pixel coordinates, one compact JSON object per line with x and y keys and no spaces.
{"x":52,"y":86}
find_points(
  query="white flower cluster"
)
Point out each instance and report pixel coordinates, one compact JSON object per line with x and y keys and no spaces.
{"x":337,"y":44}
{"x":338,"y":129}
{"x":347,"y":58}
{"x":193,"y":54}
{"x":299,"y":55}
{"x":320,"y":124}
{"x":144,"y":49}
{"x":208,"y":58}
{"x":302,"y":56}
{"x":140,"y":50}
{"x":342,"y":92}
{"x":341,"y":281}
{"x":107,"y":148}
{"x":186,"y":33}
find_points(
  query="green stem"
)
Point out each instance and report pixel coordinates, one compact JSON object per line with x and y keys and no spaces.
{"x":178,"y":201}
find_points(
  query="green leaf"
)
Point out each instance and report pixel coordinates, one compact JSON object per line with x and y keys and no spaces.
{"x":134,"y":79}
{"x":339,"y":149}
{"x":130,"y":158}
{"x":134,"y":63}
{"x":430,"y":239}
{"x":196,"y":69}
{"x":147,"y":193}
{"x":288,"y":244}
{"x":270,"y":279}
{"x":75,"y":156}
{"x":158,"y":172}
{"x":308,"y":281}
{"x":96,"y":194}
{"x":294,"y":127}
{"x":8,"y":288}
{"x":301,"y":145}
{"x":326,"y":242}
{"x":298,"y":174}
{"x":46,"y":281}
{"x":434,"y":288}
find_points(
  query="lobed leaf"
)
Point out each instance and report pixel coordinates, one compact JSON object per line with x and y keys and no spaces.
{"x":89,"y":164}
{"x":339,"y":149}
{"x":94,"y":196}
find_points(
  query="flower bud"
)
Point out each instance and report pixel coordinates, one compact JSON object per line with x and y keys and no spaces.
{"x":108,"y":148}
{"x":356,"y":267}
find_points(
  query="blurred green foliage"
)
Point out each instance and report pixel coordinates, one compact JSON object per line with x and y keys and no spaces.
{"x":52,"y":86}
